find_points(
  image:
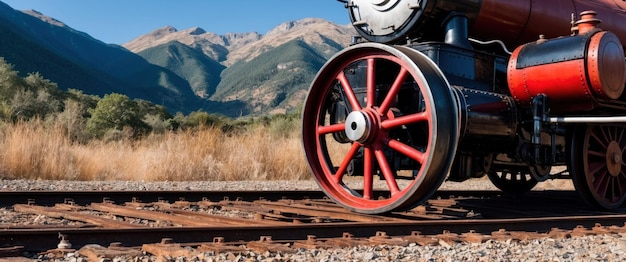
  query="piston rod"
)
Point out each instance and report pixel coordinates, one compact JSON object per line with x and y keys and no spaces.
{"x":588,"y":119}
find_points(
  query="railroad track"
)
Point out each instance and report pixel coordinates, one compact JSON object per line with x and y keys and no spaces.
{"x":160,"y":221}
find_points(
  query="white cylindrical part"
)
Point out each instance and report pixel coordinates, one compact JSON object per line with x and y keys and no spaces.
{"x":589,"y":119}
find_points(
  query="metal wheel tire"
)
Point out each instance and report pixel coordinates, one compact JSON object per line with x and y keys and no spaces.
{"x":540,"y":173}
{"x":513,"y":181}
{"x":399,"y":104}
{"x":597,"y":164}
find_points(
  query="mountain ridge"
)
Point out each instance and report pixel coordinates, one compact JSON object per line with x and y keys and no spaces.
{"x":184,"y":70}
{"x":246,"y":45}
{"x":211,"y":44}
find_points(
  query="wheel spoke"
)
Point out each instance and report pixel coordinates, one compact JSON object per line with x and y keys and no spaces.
{"x":393,"y":91}
{"x":601,"y":141}
{"x":607,"y":134}
{"x":371,"y":82}
{"x":406,"y":150}
{"x":516,"y":177}
{"x":616,"y":190}
{"x":334,"y":128}
{"x":601,"y":183}
{"x":347,"y":88}
{"x":338,"y":176}
{"x":609,"y":189}
{"x":368,"y":174}
{"x":405,"y":120}
{"x":617,"y":134}
{"x":620,"y":139}
{"x":595,"y":167}
{"x":597,"y":153}
{"x":387,"y":172}
{"x":620,"y":183}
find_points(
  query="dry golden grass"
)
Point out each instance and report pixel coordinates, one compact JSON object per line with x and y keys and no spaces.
{"x":31,"y":151}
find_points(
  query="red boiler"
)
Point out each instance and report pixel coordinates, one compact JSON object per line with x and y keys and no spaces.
{"x":573,"y":71}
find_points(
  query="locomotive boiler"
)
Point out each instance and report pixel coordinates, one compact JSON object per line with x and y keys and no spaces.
{"x":519,"y":91}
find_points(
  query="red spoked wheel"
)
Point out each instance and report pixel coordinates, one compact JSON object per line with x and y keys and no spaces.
{"x":597,"y":164}
{"x":380,"y":128}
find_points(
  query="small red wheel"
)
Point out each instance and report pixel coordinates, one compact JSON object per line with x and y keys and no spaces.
{"x":597,"y":164}
{"x":380,"y":128}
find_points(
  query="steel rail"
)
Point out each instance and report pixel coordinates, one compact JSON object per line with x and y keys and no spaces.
{"x":46,"y":239}
{"x":454,"y":211}
{"x":9,"y":198}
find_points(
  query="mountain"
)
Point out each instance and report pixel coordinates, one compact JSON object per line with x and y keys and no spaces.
{"x":186,"y":70}
{"x":214,"y":46}
{"x":327,"y":38}
{"x":275,"y":81}
{"x":200,"y":71}
{"x":231,"y":47}
{"x":27,"y":54}
{"x":264,"y":73}
{"x":33,"y":42}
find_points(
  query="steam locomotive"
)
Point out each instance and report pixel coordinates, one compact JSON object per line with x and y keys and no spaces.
{"x":431,"y":91}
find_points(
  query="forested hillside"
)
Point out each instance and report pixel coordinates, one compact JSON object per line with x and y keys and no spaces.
{"x":272,"y":80}
{"x":202,"y":72}
{"x":75,"y":60}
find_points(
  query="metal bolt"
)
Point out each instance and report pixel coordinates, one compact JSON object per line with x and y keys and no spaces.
{"x":218,"y":240}
{"x":64,"y":243}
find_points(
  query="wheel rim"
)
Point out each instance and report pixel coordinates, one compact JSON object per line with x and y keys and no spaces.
{"x":539,"y":172}
{"x":513,"y":181}
{"x":598,"y":167}
{"x":380,"y":121}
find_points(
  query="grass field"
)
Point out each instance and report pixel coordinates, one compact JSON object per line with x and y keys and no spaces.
{"x":31,"y":151}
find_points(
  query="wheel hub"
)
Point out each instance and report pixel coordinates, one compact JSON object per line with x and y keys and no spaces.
{"x":359,"y":126}
{"x":614,"y":158}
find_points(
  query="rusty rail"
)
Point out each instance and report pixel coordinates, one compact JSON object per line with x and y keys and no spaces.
{"x":295,"y":218}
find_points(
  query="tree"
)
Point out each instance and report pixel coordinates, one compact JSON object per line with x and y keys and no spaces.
{"x":202,"y":119}
{"x":36,"y":82}
{"x":87,"y":102}
{"x":116,"y":112}
{"x":9,"y":81}
{"x":37,"y":97}
{"x":72,"y":120}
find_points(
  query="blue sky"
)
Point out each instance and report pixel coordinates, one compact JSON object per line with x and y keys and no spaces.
{"x":119,"y":21}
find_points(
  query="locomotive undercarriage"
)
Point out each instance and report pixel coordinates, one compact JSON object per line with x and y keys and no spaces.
{"x":385,"y":125}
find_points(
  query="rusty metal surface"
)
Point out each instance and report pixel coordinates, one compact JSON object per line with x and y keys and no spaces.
{"x":9,"y":198}
{"x":10,"y":251}
{"x":464,"y":218}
